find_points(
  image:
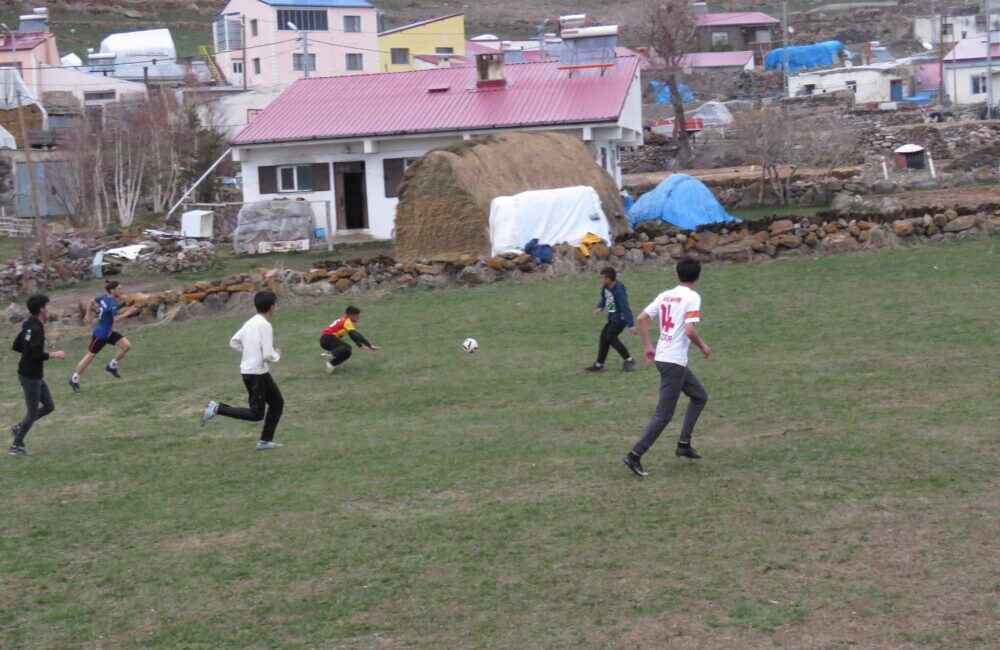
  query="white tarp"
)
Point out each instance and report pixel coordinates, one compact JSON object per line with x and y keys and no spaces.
{"x":7,"y":141}
{"x":71,"y":60}
{"x":13,"y":91}
{"x":145,"y":44}
{"x":550,"y":216}
{"x":713,"y":114}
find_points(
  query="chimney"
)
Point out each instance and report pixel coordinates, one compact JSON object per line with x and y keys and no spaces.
{"x":36,"y":21}
{"x":490,"y":70}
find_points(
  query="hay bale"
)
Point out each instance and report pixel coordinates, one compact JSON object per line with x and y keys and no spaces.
{"x":444,"y":199}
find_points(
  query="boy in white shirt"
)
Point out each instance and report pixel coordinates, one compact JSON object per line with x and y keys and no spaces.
{"x":255,"y":340}
{"x":678,"y":311}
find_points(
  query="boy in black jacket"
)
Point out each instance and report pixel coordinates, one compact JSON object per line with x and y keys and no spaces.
{"x":31,"y":344}
{"x":614,"y":300}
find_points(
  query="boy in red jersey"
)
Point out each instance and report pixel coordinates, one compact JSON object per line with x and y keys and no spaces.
{"x":332,"y":339}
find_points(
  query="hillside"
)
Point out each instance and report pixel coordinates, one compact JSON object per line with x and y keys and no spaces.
{"x":80,"y":25}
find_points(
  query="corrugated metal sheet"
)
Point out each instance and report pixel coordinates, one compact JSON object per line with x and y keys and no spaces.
{"x":734,"y":19}
{"x":390,"y":103}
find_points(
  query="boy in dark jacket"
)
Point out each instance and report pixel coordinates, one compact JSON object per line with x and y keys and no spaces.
{"x":614,"y":300}
{"x":31,"y":344}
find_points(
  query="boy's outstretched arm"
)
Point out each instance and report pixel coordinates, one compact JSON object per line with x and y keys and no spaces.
{"x":361,"y":341}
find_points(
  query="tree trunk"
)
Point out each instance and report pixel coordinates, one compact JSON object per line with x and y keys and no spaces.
{"x":681,"y":136}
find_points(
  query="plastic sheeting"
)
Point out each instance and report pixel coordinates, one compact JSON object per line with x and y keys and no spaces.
{"x":662,"y":92}
{"x":682,"y":201}
{"x":803,"y":57}
{"x":71,"y":60}
{"x":13,"y":91}
{"x":7,"y":141}
{"x":712,"y":114}
{"x":271,"y":221}
{"x":550,"y":216}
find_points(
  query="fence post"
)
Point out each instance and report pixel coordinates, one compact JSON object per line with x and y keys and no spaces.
{"x":329,"y":227}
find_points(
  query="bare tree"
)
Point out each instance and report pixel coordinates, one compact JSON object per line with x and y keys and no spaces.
{"x":129,"y":146}
{"x":671,"y":34}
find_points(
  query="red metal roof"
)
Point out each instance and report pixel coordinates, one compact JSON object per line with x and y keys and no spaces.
{"x":25,"y":41}
{"x":536,"y":94}
{"x":734,"y":19}
{"x":717,"y":59}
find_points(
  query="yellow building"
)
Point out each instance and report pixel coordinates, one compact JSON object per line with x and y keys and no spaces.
{"x":429,"y":39}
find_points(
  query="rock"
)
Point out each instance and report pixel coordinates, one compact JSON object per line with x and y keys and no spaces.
{"x":675,"y":251}
{"x":958,"y":224}
{"x":618,"y":250}
{"x":472,"y":275}
{"x":950,"y":214}
{"x":662,"y":240}
{"x":864,"y":225}
{"x":213,"y":302}
{"x":790,"y":241}
{"x":196,"y":296}
{"x":465,"y":260}
{"x":840,"y":242}
{"x":635,"y":256}
{"x":883,"y":187}
{"x":781,"y":226}
{"x":600,"y":251}
{"x":940,"y":220}
{"x":496,"y":263}
{"x":681,"y":237}
{"x":236,"y":288}
{"x":877,"y":238}
{"x":902,"y":228}
{"x":707,"y":241}
{"x":580,"y":257}
{"x":811,"y":239}
{"x":647,"y":247}
{"x":343,"y":284}
{"x":426,"y":269}
{"x":15,"y":313}
{"x":734,"y":252}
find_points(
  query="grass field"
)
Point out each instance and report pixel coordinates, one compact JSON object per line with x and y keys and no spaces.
{"x":849,"y":495}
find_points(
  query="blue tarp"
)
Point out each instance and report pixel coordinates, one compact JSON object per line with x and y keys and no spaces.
{"x":802,"y":57}
{"x":662,"y":92}
{"x":681,"y":200}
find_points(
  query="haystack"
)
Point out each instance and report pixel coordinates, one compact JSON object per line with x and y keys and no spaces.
{"x":444,"y":199}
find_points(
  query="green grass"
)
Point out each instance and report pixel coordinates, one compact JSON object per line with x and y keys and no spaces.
{"x":429,"y":498}
{"x":767,"y":211}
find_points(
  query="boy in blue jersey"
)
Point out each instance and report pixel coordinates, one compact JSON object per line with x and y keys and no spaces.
{"x":614,"y":301}
{"x":106,"y":307}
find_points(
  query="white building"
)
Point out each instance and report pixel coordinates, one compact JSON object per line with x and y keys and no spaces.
{"x":343,"y":143}
{"x":965,"y":71}
{"x":878,"y":82}
{"x":951,"y":29}
{"x":89,"y":89}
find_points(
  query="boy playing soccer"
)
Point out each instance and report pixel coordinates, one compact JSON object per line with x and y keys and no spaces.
{"x":107,"y":315}
{"x":678,"y":311}
{"x":31,"y":344}
{"x":332,"y":339}
{"x":614,"y":300}
{"x":255,"y":340}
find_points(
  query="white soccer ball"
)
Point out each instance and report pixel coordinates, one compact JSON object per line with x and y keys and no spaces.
{"x":470,"y":345}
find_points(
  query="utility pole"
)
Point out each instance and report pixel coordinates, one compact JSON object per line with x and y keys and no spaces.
{"x":246,"y":63}
{"x":305,"y":54}
{"x":944,"y":92}
{"x":784,"y":45}
{"x":989,"y":62}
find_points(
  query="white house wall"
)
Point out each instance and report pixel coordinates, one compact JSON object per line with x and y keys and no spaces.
{"x":958,"y":82}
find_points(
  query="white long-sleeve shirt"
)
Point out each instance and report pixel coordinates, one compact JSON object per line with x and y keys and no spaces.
{"x":256,"y":341}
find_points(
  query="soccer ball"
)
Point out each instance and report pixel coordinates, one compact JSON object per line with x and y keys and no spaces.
{"x":470,"y":345}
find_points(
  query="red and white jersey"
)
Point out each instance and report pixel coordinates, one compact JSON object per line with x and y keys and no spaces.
{"x":675,"y":309}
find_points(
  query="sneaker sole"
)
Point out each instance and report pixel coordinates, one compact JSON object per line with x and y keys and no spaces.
{"x":633,"y":470}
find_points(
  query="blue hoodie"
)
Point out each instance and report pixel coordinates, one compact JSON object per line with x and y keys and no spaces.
{"x":615,"y":301}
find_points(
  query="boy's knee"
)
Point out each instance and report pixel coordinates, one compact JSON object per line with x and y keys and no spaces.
{"x":125,"y":345}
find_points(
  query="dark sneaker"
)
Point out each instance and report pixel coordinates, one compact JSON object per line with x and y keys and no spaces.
{"x":75,"y":385}
{"x":633,"y":464}
{"x":687,"y":451}
{"x":14,"y":450}
{"x":628,"y":365}
{"x":594,"y":368}
{"x":15,"y":429}
{"x":113,"y":371}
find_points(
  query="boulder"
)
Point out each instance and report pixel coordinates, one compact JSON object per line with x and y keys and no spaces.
{"x":600,"y":251}
{"x":707,"y":241}
{"x":781,"y":226}
{"x":618,"y":250}
{"x":734,"y":252}
{"x":902,"y":228}
{"x":962,"y":223}
{"x":790,"y":241}
{"x":473,"y":275}
{"x":840,"y":242}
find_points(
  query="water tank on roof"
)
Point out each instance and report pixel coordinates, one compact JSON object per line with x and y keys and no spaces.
{"x":147,"y":44}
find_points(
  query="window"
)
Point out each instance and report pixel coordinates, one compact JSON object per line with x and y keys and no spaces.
{"x":295,"y":179}
{"x":237,"y":67}
{"x":253,"y":27}
{"x":392,"y":172}
{"x":352,"y":23}
{"x":947,"y":29}
{"x":355,"y":62}
{"x":720,"y":39}
{"x":252,"y":114}
{"x":400,"y":55}
{"x":297,"y":60}
{"x":852,"y":86}
{"x":978,"y":84}
{"x":306,"y":20}
{"x":763,"y":35}
{"x":256,"y":66}
{"x":444,"y":51}
{"x":808,"y":89}
{"x":99,"y":96}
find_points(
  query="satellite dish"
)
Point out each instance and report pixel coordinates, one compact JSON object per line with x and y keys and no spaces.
{"x":927,"y":46}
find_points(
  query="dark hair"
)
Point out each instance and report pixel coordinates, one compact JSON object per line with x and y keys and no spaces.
{"x":688,"y":269}
{"x":264,"y":300}
{"x":609,"y":272}
{"x":111,"y":286}
{"x":352,"y":311}
{"x":36,"y":302}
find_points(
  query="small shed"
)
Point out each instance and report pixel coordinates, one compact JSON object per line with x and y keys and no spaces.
{"x":910,"y":156}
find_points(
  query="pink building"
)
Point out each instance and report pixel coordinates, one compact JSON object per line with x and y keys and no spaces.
{"x":28,"y":49}
{"x":341,"y":37}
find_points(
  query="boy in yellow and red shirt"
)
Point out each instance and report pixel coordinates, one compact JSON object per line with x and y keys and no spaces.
{"x":332,"y":339}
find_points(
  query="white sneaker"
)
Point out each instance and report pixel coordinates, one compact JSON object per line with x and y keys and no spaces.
{"x":211,"y":410}
{"x":266,"y":446}
{"x":330,"y":367}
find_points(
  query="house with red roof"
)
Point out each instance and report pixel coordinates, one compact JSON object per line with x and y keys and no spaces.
{"x":342,"y":143}
{"x":30,"y":47}
{"x":737,"y":31}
